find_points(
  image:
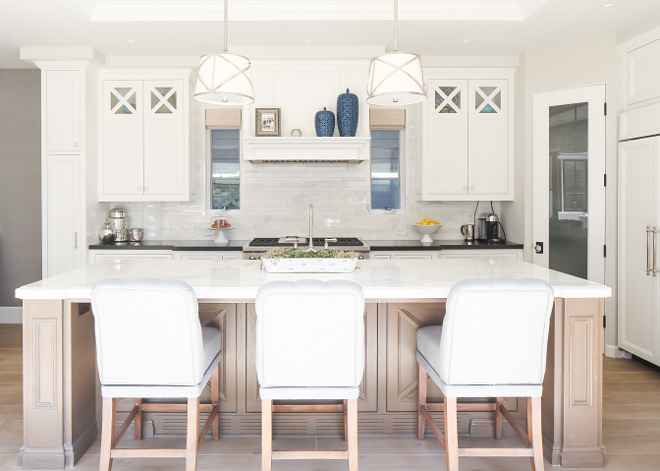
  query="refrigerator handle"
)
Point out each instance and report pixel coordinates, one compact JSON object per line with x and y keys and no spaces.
{"x":648,"y":233}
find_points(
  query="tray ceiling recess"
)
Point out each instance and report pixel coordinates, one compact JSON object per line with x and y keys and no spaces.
{"x":307,"y":10}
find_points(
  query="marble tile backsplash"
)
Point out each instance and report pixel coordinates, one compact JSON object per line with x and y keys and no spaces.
{"x":275,"y":198}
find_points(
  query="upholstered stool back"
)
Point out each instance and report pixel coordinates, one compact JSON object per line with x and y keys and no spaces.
{"x":490,"y":326}
{"x":148,"y":333}
{"x":310,"y":334}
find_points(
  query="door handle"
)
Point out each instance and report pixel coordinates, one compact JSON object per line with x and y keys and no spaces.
{"x":538,"y":247}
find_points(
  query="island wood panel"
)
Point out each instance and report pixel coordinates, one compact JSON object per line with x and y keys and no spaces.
{"x":367,"y":401}
{"x":58,"y":365}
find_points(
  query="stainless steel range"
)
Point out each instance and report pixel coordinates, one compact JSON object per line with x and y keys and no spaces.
{"x":260,"y":245}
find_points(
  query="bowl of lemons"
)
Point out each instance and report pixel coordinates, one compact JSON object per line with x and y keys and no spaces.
{"x":426,"y":228}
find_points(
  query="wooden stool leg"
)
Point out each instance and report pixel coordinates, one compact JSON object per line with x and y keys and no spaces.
{"x":266,"y":434}
{"x":422,"y":385}
{"x":346,"y":420}
{"x":107,"y":432}
{"x":499,"y":418}
{"x":530,"y":435}
{"x":451,"y":433}
{"x":192,"y":434}
{"x":537,"y":436}
{"x":138,"y":419}
{"x":215,"y":400}
{"x":352,"y":435}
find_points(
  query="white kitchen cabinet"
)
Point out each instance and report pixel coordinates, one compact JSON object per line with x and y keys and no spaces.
{"x":207,"y":255}
{"x":125,"y":255}
{"x":65,"y":228}
{"x":403,"y":255}
{"x":642,"y":67}
{"x":639,"y":243}
{"x":63,"y":110}
{"x":145,"y":135}
{"x":468,"y":136}
{"x":490,"y":254}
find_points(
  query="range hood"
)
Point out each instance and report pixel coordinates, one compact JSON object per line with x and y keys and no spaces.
{"x":306,"y":149}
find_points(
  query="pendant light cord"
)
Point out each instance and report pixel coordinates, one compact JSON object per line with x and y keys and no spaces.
{"x":226,"y":2}
{"x":396,"y":25}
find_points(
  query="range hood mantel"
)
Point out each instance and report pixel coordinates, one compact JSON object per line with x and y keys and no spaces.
{"x":306,"y":149}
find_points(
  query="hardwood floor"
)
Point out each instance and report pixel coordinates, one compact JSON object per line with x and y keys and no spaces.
{"x":631,"y":430}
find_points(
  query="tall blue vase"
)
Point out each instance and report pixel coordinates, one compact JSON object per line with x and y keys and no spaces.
{"x":324,"y":122}
{"x":347,"y":114}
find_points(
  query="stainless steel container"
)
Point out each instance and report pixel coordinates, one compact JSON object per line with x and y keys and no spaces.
{"x":119,"y":224}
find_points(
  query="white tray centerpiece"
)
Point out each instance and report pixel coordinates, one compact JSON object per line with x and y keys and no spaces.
{"x":289,"y":260}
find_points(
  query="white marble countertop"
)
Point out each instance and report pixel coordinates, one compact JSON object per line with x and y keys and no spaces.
{"x":382,"y":280}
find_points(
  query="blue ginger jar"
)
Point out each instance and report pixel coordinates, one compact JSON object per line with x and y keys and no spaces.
{"x":347,"y":114}
{"x":324,"y":121}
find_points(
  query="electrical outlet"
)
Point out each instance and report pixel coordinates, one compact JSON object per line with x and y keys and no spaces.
{"x":401,"y":229}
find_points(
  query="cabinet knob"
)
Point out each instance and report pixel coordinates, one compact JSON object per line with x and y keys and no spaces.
{"x":75,"y":144}
{"x":146,"y":188}
{"x":472,"y":188}
{"x":139,"y":188}
{"x":465,"y":187}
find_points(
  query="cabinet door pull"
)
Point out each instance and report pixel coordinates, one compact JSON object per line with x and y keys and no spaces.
{"x":653,"y":270}
{"x":75,"y":240}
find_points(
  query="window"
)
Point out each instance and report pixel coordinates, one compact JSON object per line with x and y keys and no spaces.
{"x":385,"y":169}
{"x":225,"y":169}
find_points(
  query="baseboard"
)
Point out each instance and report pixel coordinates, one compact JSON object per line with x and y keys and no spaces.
{"x":612,"y":351}
{"x":11,"y":315}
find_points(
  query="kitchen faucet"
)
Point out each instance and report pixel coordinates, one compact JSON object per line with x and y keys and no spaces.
{"x":310,"y":247}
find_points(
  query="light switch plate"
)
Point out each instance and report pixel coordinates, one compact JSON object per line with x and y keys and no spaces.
{"x":401,"y":229}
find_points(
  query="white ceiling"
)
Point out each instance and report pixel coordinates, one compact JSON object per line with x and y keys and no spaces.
{"x":194,"y":27}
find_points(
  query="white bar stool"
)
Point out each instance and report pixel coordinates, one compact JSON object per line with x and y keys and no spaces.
{"x":310,"y":346}
{"x":492,"y":343}
{"x":150,"y":344}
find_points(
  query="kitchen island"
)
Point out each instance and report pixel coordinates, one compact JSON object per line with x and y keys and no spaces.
{"x":60,"y":388}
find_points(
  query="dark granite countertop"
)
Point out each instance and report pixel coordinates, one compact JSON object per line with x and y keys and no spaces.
{"x":175,"y":245}
{"x":393,"y":245}
{"x":237,"y":245}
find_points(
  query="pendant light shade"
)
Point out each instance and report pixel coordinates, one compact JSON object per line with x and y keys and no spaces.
{"x":396,"y":78}
{"x":222,"y":77}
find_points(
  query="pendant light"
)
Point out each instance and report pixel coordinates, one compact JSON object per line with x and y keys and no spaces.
{"x":222,"y":78}
{"x":396,"y":78}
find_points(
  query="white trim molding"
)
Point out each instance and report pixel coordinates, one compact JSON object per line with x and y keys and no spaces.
{"x":11,"y":315}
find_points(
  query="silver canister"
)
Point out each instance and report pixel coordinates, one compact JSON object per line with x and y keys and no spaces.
{"x":119,"y":224}
{"x":468,"y":231}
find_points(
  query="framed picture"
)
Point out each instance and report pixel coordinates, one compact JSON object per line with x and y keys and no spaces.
{"x":267,"y":121}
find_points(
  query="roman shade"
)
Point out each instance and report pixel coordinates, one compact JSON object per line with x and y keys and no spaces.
{"x":227,"y":118}
{"x":387,"y":118}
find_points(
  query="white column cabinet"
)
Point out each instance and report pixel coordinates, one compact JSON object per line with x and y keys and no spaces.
{"x":145,"y":135}
{"x":66,"y":117}
{"x":468,"y":135}
{"x":639,"y":286}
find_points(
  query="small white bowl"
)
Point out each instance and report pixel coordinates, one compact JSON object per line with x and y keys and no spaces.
{"x":427,"y":231}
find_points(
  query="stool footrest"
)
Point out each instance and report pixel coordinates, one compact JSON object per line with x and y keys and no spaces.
{"x":495,"y":452}
{"x":310,"y":455}
{"x":308,"y":408}
{"x":148,"y":453}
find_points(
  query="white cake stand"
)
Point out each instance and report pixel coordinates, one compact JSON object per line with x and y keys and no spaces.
{"x":221,"y":238}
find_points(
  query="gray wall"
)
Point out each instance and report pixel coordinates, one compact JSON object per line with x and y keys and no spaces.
{"x":20,"y":181}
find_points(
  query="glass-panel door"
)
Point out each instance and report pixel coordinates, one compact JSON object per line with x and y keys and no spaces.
{"x":568,"y":227}
{"x":568,"y":169}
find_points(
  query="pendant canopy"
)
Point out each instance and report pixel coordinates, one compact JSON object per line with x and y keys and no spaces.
{"x":396,"y":78}
{"x":222,"y":77}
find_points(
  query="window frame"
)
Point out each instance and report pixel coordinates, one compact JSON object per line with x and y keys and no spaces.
{"x":208,"y":196}
{"x":401,"y":179}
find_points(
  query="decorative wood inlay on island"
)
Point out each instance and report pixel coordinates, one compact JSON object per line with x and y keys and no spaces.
{"x":60,"y":413}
